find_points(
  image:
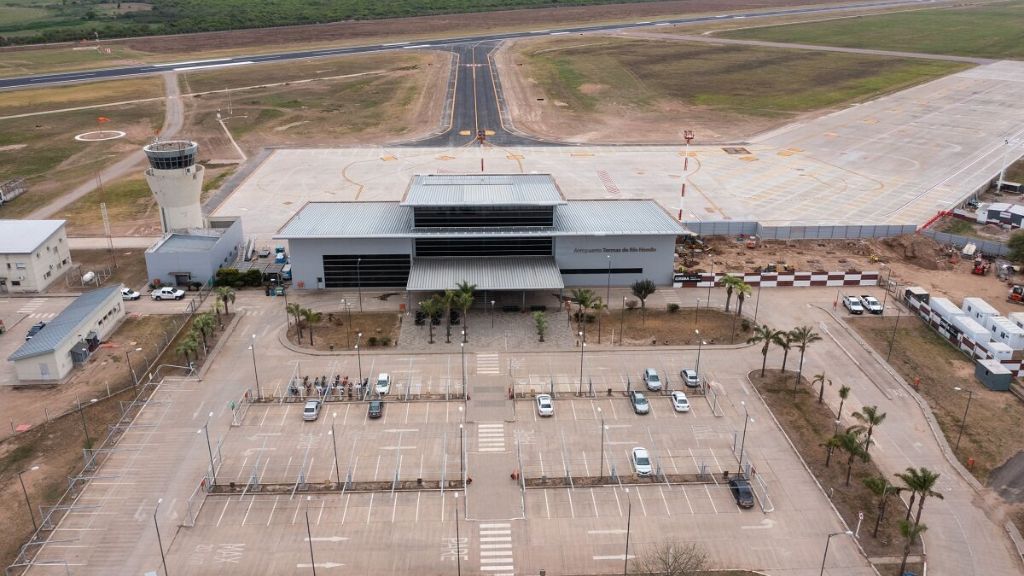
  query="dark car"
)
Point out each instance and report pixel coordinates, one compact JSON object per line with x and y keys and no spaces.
{"x":742,"y":492}
{"x":376,"y":409}
{"x":35,"y":330}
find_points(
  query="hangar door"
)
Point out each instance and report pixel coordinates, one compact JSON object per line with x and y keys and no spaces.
{"x":366,"y":270}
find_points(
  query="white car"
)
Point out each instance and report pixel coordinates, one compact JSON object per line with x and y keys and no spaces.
{"x":311,"y":410}
{"x":690,"y":377}
{"x":871,"y":304}
{"x":651,"y":379}
{"x":167,"y":293}
{"x":383,"y":383}
{"x":129,"y":294}
{"x":852,"y":303}
{"x":641,"y":461}
{"x":545,"y":406}
{"x":680,"y":402}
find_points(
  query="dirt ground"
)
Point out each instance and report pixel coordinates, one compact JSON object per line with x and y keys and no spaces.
{"x":809,"y":425}
{"x":914,"y":261}
{"x":130,"y":270}
{"x":668,"y":328}
{"x":105,"y":370}
{"x":335,"y":333}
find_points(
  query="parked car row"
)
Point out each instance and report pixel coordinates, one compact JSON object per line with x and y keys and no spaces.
{"x":858,"y":304}
{"x":653,"y":381}
{"x":375,"y":408}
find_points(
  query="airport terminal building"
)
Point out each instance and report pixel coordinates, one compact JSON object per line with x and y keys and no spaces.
{"x":514,"y":233}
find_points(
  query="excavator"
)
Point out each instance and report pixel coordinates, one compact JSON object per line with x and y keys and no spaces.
{"x":981,"y":267}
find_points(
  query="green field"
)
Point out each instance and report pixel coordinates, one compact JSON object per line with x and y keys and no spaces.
{"x":70,"y":21}
{"x":66,"y":59}
{"x":987,"y":31}
{"x":746,"y":81}
{"x":42,"y":149}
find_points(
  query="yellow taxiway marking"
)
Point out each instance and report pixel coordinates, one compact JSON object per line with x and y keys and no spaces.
{"x":488,"y":132}
{"x":446,"y":157}
{"x":464,"y":132}
{"x":748,"y":158}
{"x":388,"y":158}
{"x":515,"y":157}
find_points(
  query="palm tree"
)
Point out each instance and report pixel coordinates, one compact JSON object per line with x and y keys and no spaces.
{"x":642,"y":289}
{"x":920,"y":482}
{"x":730,"y":283}
{"x":226,"y":294}
{"x":311,"y":317}
{"x":296,"y":311}
{"x":448,"y":299}
{"x":784,"y":340}
{"x":584,"y":298}
{"x":186,"y":347}
{"x":432,"y":307}
{"x":911,"y":533}
{"x":217,"y":307}
{"x":465,"y":301}
{"x":204,"y":323}
{"x":872,"y":417}
{"x":851,"y":443}
{"x":821,"y":379}
{"x":881,"y":487}
{"x":766,"y":335}
{"x":802,"y":337}
{"x":742,"y":291}
{"x":844,"y":393}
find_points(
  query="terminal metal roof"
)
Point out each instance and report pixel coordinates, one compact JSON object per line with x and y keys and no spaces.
{"x":64,"y":325}
{"x":392,"y":220}
{"x":524,"y":273}
{"x":24,"y":236}
{"x":483,"y":190}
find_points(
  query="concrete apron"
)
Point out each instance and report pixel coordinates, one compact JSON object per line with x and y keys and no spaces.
{"x":490,"y":451}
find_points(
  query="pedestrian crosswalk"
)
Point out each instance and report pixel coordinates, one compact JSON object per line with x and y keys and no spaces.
{"x":496,"y":549}
{"x":31,"y":306}
{"x":487,"y":364}
{"x":42,"y":315}
{"x":490,"y":437}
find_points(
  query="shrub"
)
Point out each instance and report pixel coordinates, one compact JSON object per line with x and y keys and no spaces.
{"x":372,"y":341}
{"x":385,"y":340}
{"x":591,"y":318}
{"x":631,"y":304}
{"x":227,"y":277}
{"x":673,"y":307}
{"x":253,"y":278}
{"x":745,"y":325}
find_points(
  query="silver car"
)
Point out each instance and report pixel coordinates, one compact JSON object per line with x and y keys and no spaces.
{"x":641,"y":461}
{"x":311,"y":411}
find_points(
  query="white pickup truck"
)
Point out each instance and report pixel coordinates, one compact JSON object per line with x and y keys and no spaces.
{"x":871,"y":304}
{"x":852,"y":303}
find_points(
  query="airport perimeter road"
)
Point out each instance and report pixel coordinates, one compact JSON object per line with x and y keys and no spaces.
{"x":111,"y":73}
{"x":962,"y":540}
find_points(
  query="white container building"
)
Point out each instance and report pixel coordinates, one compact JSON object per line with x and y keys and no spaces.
{"x":980,"y":310}
{"x":997,"y":350}
{"x":972,"y":329}
{"x":1007,"y":332}
{"x":943,"y":308}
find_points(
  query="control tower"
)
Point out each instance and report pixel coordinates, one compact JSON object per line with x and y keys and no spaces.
{"x":177,"y":182}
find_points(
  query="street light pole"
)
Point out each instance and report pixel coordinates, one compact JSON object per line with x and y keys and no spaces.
{"x":892,"y":340}
{"x":309,"y":537}
{"x":629,"y":519}
{"x":334,"y":441}
{"x":743,"y":442}
{"x":159,"y":542}
{"x":622,"y":317}
{"x":885,"y":294}
{"x":696,"y":314}
{"x":462,"y":347}
{"x":256,"y":373}
{"x":348,"y":326}
{"x":458,"y":539}
{"x":359,"y":357}
{"x":31,"y":514}
{"x":135,"y":377}
{"x":462,"y":451}
{"x":601,"y":414}
{"x":583,"y":346}
{"x":757,"y":304}
{"x":827,"y":541}
{"x":209,"y":448}
{"x":700,"y":344}
{"x":492,"y":314}
{"x":359,"y":283}
{"x":85,"y":427}
{"x":608,"y":290}
{"x":963,"y":421}
{"x":711,"y":284}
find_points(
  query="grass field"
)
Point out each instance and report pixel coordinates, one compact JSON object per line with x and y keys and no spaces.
{"x":42,"y":149}
{"x":617,"y":78}
{"x":16,"y":102}
{"x":130,"y":205}
{"x":991,"y":31}
{"x":352,"y":99}
{"x":66,"y":59}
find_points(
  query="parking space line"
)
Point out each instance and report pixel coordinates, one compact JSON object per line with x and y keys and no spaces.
{"x":345,"y":512}
{"x":222,"y":511}
{"x":369,"y":509}
{"x":664,"y":500}
{"x":247,"y":510}
{"x":407,"y":405}
{"x":264,"y":418}
{"x":641,"y":499}
{"x":573,"y":404}
{"x":284,"y":415}
{"x":686,"y":497}
{"x":572,"y":509}
{"x":272,"y":510}
{"x":593,"y":500}
{"x":540,"y":458}
{"x":615,"y":416}
{"x":394,"y":506}
{"x":321,"y":514}
{"x":717,"y":463}
{"x":295,"y":515}
{"x":617,"y":503}
{"x":586,"y":467}
{"x":417,"y":518}
{"x":547,"y":507}
{"x":710,"y":498}
{"x":672,"y":460}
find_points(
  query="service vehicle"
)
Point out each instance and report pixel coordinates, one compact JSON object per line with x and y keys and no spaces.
{"x":871,"y":304}
{"x":852,"y":303}
{"x":129,"y":294}
{"x":167,"y":293}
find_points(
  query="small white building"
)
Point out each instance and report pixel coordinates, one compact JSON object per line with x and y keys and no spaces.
{"x":1017,"y":318}
{"x":70,"y":338}
{"x":33,"y":253}
{"x":945,"y":309}
{"x":1007,"y":332}
{"x":972,"y":329}
{"x":980,"y":310}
